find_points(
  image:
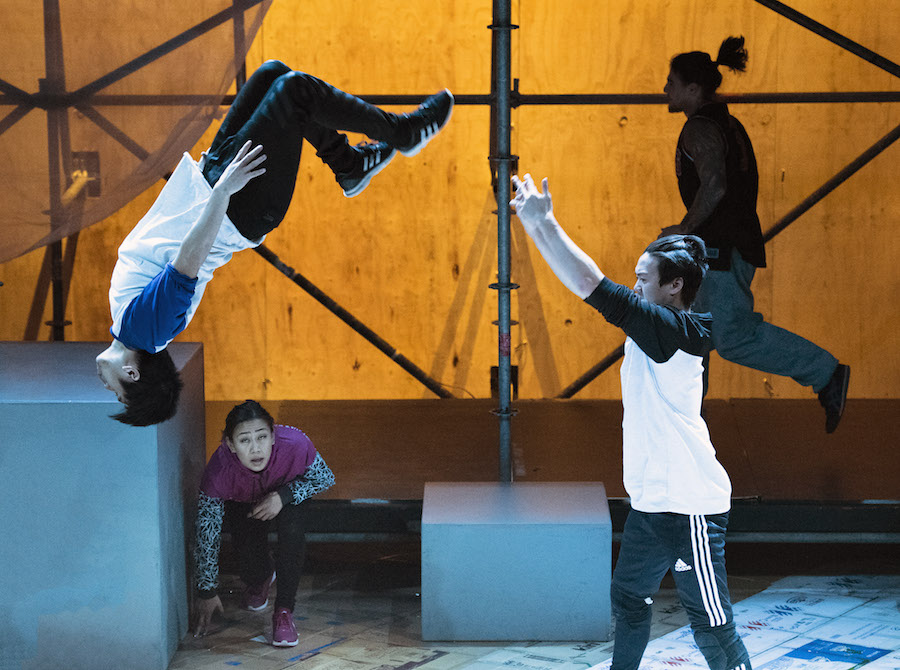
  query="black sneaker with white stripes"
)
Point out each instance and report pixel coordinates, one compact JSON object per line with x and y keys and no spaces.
{"x":373,"y":158}
{"x":427,"y":121}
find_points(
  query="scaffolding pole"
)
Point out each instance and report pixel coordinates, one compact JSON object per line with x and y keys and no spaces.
{"x":501,"y":83}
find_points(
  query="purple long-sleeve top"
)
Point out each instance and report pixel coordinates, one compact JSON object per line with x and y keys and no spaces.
{"x":226,"y":478}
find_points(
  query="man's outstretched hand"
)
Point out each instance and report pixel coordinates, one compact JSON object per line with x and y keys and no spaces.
{"x":532,"y":207}
{"x":199,"y":240}
{"x":243,"y":167}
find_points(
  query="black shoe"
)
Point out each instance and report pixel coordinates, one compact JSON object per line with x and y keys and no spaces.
{"x":833,"y":397}
{"x":374,"y":157}
{"x":427,"y":121}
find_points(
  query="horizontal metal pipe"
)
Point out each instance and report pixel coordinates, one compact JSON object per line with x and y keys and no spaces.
{"x":733,"y":98}
{"x":52,"y":100}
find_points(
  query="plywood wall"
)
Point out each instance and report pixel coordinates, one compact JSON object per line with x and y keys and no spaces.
{"x":413,"y":256}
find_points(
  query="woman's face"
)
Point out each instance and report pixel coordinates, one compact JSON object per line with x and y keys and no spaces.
{"x":252,"y":442}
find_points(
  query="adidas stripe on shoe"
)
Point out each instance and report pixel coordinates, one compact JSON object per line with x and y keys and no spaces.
{"x":427,"y":121}
{"x":375,"y":156}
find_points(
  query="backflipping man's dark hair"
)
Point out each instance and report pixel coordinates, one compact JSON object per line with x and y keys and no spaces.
{"x":680,"y":256}
{"x":246,"y":411}
{"x":698,"y":67}
{"x":153,"y":398}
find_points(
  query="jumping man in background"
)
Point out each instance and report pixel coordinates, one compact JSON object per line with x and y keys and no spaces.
{"x":718,"y":181}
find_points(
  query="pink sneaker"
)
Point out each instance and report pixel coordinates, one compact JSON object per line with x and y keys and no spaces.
{"x":255,"y":598}
{"x":284,"y":633}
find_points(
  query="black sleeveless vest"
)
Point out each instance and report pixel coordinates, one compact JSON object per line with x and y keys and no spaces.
{"x":733,"y":223}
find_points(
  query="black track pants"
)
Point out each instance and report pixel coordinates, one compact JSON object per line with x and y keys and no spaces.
{"x":693,"y":548}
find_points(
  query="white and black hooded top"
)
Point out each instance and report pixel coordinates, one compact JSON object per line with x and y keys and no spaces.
{"x":668,"y":461}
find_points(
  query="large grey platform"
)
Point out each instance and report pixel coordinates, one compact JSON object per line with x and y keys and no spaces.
{"x":93,"y":549}
{"x":523,"y":561}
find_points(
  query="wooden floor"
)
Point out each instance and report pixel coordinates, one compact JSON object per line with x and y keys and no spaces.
{"x":358,"y":608}
{"x":772,"y":449}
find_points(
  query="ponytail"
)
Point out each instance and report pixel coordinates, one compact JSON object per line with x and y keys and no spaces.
{"x":698,"y":67}
{"x":732,"y":54}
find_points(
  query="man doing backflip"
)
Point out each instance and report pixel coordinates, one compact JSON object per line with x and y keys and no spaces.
{"x":718,"y":181}
{"x":680,"y":493}
{"x":229,"y":201}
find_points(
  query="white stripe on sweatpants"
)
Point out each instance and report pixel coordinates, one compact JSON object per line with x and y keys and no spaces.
{"x":706,"y":576}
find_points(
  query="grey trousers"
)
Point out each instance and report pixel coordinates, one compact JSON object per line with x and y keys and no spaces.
{"x":741,"y":336}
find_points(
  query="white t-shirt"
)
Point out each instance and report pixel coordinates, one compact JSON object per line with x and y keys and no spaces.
{"x":668,"y":461}
{"x":157,"y":237}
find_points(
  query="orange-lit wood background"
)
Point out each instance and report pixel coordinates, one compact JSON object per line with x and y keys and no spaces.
{"x":413,"y":256}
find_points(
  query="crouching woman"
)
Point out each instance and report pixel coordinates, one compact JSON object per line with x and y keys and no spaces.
{"x":260,"y":472}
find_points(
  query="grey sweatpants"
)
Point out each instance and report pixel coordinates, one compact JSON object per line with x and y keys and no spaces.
{"x":741,"y":336}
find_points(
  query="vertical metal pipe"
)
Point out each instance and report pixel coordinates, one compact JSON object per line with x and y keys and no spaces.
{"x":56,"y":120}
{"x":502,"y":28}
{"x":58,"y":323}
{"x":238,"y":32}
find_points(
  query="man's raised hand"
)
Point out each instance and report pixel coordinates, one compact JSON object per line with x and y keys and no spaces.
{"x":243,"y":167}
{"x":199,"y":240}
{"x":532,"y":206}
